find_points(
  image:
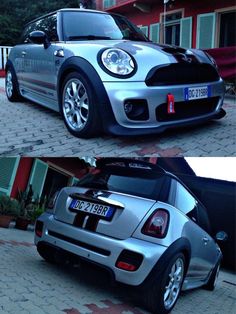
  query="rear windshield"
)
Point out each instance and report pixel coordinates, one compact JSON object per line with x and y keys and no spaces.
{"x":136,"y":182}
{"x":95,"y":26}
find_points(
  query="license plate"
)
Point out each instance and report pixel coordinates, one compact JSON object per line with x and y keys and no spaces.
{"x":197,"y":92}
{"x":92,"y":208}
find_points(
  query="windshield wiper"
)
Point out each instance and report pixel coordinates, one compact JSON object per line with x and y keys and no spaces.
{"x":89,"y":37}
{"x":134,"y":38}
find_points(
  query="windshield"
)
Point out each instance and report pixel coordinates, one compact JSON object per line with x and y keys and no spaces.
{"x":138,"y":183}
{"x":94,"y":26}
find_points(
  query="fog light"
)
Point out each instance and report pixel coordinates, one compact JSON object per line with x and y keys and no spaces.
{"x":126,"y":266}
{"x":129,"y":260}
{"x":128,"y":107}
{"x":136,"y":109}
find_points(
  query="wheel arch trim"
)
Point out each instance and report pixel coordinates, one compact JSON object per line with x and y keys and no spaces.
{"x":9,"y":65}
{"x":182,"y":245}
{"x":83,"y":67}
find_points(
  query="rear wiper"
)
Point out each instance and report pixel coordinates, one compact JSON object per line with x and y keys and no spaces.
{"x":89,"y":37}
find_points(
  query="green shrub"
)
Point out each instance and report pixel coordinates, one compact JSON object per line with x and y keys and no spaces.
{"x":9,"y":206}
{"x":36,"y":213}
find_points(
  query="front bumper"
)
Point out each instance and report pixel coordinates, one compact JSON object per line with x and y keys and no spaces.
{"x":119,"y":92}
{"x":95,"y":244}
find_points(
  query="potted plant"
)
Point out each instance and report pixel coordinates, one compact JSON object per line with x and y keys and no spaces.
{"x":30,"y":209}
{"x":37,"y":212}
{"x":39,"y":207}
{"x":26,"y":209}
{"x":9,"y":209}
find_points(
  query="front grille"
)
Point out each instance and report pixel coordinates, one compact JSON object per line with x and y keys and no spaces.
{"x":187,"y":109}
{"x":182,"y":73}
{"x":79,"y":243}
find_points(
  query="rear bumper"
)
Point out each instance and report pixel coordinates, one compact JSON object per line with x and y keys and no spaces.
{"x":100,"y":249}
{"x":155,"y":96}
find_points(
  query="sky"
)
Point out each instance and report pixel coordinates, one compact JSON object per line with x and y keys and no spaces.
{"x":223,"y":168}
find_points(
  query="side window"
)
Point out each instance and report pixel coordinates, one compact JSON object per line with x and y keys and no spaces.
{"x":203,"y":220}
{"x":184,"y":201}
{"x":28,"y":29}
{"x":47,"y":25}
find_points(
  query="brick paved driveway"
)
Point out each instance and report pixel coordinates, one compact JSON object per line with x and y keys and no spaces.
{"x":30,"y":285}
{"x":29,"y":129}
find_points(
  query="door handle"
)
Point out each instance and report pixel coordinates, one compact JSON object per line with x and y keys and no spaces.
{"x":205,"y":240}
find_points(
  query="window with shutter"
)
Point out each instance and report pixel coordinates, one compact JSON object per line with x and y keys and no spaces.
{"x":144,"y":29}
{"x":8,"y":169}
{"x":37,"y":177}
{"x":171,"y":27}
{"x":186,"y":32}
{"x":206,"y":24}
{"x":108,"y":3}
{"x":155,"y":32}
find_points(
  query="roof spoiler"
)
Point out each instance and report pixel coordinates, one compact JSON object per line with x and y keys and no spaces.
{"x":128,"y":163}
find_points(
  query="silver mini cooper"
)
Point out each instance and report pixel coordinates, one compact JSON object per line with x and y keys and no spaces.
{"x":103,"y":74}
{"x":139,"y":222}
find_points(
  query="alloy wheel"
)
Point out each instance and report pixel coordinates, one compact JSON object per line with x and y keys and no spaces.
{"x":75,"y":104}
{"x":9,"y":84}
{"x":216,"y":275}
{"x":174,"y":283}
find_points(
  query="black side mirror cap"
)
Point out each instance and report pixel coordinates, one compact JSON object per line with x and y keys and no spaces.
{"x":39,"y":38}
{"x":221,"y":236}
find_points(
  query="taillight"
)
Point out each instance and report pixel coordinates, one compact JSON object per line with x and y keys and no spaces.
{"x":157,"y":224}
{"x":39,"y":228}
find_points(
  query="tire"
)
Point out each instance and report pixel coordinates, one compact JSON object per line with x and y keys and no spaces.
{"x":161,"y":294}
{"x":47,"y":254}
{"x":11,"y":86}
{"x":211,"y":284}
{"x":78,"y":106}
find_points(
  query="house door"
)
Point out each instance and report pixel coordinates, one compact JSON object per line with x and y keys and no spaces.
{"x":227,"y":29}
{"x":54,"y":181}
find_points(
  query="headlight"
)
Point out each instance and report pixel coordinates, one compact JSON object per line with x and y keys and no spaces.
{"x":212,"y":60}
{"x":118,"y":62}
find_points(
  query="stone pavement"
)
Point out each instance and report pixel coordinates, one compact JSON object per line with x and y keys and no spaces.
{"x":30,"y":285}
{"x":31,"y":130}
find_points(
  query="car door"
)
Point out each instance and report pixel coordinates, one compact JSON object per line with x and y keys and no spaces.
{"x":40,"y":65}
{"x":203,"y":248}
{"x":19,"y":54}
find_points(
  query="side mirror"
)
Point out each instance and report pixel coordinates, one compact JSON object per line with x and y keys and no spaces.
{"x":39,"y":38}
{"x":221,"y":236}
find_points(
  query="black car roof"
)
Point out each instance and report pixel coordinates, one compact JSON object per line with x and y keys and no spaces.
{"x":132,"y":163}
{"x":65,"y":10}
{"x":129,"y":163}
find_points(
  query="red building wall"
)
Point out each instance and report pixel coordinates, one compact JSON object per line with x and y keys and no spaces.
{"x":191,"y":8}
{"x":22,"y":176}
{"x":73,"y":165}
